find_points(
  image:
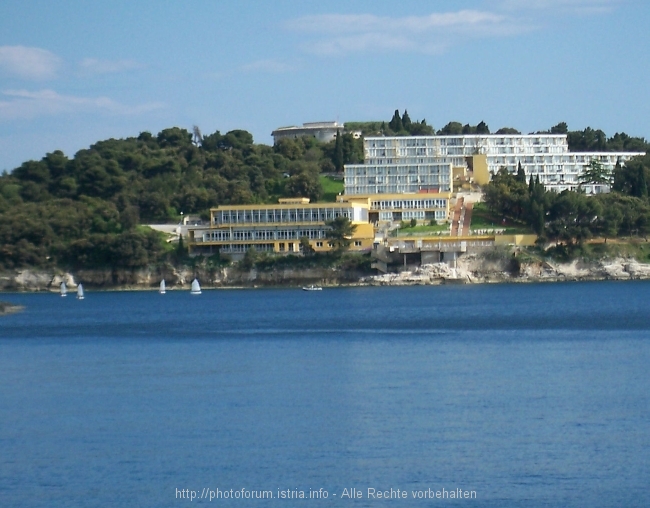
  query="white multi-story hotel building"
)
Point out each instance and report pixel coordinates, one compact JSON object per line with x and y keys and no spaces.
{"x":413,"y":163}
{"x":378,"y":176}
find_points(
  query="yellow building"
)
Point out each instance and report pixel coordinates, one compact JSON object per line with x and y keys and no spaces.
{"x":278,"y":228}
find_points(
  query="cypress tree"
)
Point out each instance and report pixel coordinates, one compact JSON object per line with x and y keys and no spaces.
{"x":338,"y":152}
{"x":181,"y":253}
{"x":642,"y":183}
{"x":406,"y":122}
{"x":482,"y":128}
{"x":521,"y":175}
{"x":618,"y":177}
{"x":396,"y":123}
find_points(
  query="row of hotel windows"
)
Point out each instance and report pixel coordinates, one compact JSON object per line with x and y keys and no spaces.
{"x":226,"y":235}
{"x":361,"y":188}
{"x":461,"y":140}
{"x":424,"y":169}
{"x":413,"y":214}
{"x":465,"y":151}
{"x":421,"y":179}
{"x":550,"y":159}
{"x":238,"y":248}
{"x":529,"y":169}
{"x":392,"y":204}
{"x":434,"y":164}
{"x":437,"y":160}
{"x":281,"y":215}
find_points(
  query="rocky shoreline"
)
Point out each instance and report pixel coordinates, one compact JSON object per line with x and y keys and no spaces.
{"x":476,"y":270}
{"x":470,"y":269}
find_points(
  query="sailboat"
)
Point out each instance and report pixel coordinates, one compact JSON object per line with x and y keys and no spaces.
{"x":80,"y":292}
{"x":64,"y":289}
{"x":162,"y":287}
{"x":196,"y":288}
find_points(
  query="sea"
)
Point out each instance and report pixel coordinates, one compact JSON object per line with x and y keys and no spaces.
{"x":509,"y":395}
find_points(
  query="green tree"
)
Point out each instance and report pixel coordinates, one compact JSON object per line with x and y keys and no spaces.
{"x":631,"y":179}
{"x":337,"y":158}
{"x":482,"y":128}
{"x":305,"y":184}
{"x":305,"y":246}
{"x":340,"y":232}
{"x":521,"y":175}
{"x":452,"y":128}
{"x":507,"y":130}
{"x":560,"y":128}
{"x":595,"y":173}
{"x":406,"y":122}
{"x":396,"y":123}
{"x":573,"y":217}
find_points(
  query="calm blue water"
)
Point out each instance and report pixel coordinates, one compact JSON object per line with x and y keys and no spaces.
{"x":529,"y":395}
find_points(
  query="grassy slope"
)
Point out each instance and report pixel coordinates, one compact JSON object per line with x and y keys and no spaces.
{"x":483,"y":219}
{"x":331,"y":188}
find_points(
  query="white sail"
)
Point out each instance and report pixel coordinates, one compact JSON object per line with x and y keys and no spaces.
{"x":80,"y":292}
{"x":162,"y":287}
{"x":64,"y":289}
{"x":196,"y":288}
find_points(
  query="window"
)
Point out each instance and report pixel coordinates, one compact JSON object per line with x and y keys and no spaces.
{"x":357,"y":243}
{"x":319,"y":244}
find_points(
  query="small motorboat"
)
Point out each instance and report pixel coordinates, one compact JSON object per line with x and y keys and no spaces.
{"x":312,"y":288}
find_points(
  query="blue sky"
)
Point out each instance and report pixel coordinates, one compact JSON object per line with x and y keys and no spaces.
{"x":75,"y":72}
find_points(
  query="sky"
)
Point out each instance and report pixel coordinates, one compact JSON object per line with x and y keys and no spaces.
{"x":74,"y":72}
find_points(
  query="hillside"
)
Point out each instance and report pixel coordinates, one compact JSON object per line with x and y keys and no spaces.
{"x":86,"y":211}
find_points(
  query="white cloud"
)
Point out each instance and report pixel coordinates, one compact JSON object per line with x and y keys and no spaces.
{"x":29,"y":63}
{"x":563,"y":6}
{"x":330,"y":34}
{"x":269,"y":65}
{"x":355,"y":23}
{"x":95,"y":66}
{"x":24,"y":104}
{"x":340,"y":33}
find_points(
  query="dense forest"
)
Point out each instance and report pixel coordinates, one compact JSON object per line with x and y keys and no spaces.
{"x":86,"y":211}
